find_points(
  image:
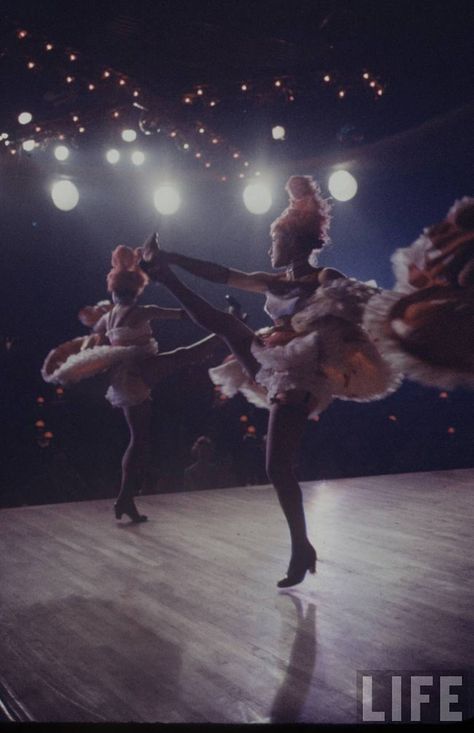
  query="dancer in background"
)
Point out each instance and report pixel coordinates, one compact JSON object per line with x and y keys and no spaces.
{"x":425,"y":325}
{"x":122,"y":342}
{"x":315,"y":351}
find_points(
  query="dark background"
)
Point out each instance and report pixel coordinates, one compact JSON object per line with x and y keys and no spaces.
{"x":410,"y":150}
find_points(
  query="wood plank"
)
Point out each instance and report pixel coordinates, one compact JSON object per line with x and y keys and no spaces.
{"x":179,"y":619}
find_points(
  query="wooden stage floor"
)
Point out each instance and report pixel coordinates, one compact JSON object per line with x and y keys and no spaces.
{"x":179,"y":619}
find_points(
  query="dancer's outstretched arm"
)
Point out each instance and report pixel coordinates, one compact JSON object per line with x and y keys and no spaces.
{"x":257,"y":282}
{"x":156,"y":312}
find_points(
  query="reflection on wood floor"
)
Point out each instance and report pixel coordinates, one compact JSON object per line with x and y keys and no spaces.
{"x":179,"y":619}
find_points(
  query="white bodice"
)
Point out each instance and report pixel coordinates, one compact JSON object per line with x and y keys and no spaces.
{"x":279,"y":306}
{"x":130,"y":335}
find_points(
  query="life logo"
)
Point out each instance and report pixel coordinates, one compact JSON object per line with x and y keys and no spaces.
{"x":386,"y":696}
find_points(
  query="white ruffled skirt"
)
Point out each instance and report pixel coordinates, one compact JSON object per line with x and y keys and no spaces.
{"x":68,"y":364}
{"x":336,"y":358}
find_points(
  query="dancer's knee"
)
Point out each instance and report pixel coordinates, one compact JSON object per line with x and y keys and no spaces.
{"x":279,"y":471}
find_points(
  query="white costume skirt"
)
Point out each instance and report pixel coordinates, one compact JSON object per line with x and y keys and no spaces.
{"x":335,"y":359}
{"x":70,"y":363}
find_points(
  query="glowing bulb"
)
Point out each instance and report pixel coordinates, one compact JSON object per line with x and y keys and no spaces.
{"x":236,"y":155}
{"x":82,"y":129}
{"x":187,"y":100}
{"x":75,"y":118}
{"x":22,"y":34}
{"x":278,"y":83}
{"x":69,"y":79}
{"x":257,"y":198}
{"x":244,"y":87}
{"x":173,"y":133}
{"x":61,"y":152}
{"x":207,"y":164}
{"x":122,"y":82}
{"x":341,"y":93}
{"x":106,"y":74}
{"x":138,"y":158}
{"x":200,"y":92}
{"x":24,"y":118}
{"x":49,"y":46}
{"x":202,"y":130}
{"x":380,"y":92}
{"x":326,"y":78}
{"x":31,"y":64}
{"x":342,"y":185}
{"x":136,"y":93}
{"x":212,"y":104}
{"x":116,"y":114}
{"x":91,"y":87}
{"x":186,"y":146}
{"x":129,"y":136}
{"x":65,"y":195}
{"x":278,"y":132}
{"x":365,"y":75}
{"x":215,"y":140}
{"x":198,"y":155}
{"x":72,"y":57}
{"x":113,"y":156}
{"x":372,"y":83}
{"x":166,"y":200}
{"x":29,"y":145}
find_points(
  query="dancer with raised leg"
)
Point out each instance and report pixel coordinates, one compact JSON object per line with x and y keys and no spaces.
{"x":316,"y":350}
{"x":122,"y":342}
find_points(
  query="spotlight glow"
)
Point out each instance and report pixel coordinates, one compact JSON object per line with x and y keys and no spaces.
{"x":167,"y":199}
{"x":129,"y":136}
{"x":65,"y":195}
{"x":342,"y":185}
{"x":257,"y":198}
{"x":28,"y":145}
{"x":278,"y":132}
{"x":113,"y":156}
{"x":24,"y":118}
{"x":61,"y":152}
{"x":138,"y":158}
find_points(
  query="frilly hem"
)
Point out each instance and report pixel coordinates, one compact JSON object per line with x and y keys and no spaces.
{"x":88,"y":363}
{"x":376,"y":320}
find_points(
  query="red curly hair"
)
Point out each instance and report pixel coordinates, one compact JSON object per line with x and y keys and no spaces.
{"x":308,"y":214}
{"x":126,"y":277}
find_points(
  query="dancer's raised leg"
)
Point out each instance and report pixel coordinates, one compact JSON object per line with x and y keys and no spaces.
{"x":236,"y":334}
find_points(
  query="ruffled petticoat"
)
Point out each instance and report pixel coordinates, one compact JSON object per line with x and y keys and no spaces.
{"x":434,"y":346}
{"x":127,"y":387}
{"x":326,"y":354}
{"x":400,"y":341}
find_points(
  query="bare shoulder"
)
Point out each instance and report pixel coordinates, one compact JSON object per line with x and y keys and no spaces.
{"x":327,"y":274}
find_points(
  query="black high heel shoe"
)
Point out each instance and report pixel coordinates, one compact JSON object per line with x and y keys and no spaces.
{"x":128,"y":507}
{"x":298,"y":567}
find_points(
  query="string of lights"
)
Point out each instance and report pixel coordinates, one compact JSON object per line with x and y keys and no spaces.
{"x":103,"y":100}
